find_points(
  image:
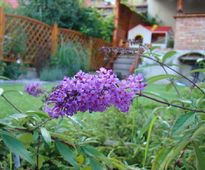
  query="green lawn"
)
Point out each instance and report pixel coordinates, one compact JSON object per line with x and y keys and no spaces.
{"x":26,"y":102}
{"x":23,"y":101}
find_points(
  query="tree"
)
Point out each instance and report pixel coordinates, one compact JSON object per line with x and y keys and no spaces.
{"x":68,"y":14}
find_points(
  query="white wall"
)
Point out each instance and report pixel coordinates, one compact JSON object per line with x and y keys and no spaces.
{"x":140,"y":30}
{"x":164,"y":10}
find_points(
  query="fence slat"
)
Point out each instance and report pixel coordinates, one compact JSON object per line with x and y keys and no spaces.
{"x":42,"y":40}
{"x":54,"y":39}
{"x":2,"y":27}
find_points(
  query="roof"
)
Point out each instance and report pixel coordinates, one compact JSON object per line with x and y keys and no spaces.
{"x":156,"y":28}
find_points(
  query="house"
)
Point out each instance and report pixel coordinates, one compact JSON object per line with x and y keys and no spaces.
{"x":187,"y":18}
{"x":156,"y":35}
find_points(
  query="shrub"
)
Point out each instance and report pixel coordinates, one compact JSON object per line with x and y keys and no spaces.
{"x":2,"y":68}
{"x":14,"y":70}
{"x":15,"y":43}
{"x":68,"y":60}
{"x":86,"y":20}
{"x":52,"y":74}
{"x":71,"y":57}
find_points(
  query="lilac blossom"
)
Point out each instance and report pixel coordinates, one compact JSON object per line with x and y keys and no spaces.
{"x":34,"y":89}
{"x":93,"y":93}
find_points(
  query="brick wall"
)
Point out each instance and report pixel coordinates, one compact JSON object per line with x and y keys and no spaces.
{"x":190,"y":32}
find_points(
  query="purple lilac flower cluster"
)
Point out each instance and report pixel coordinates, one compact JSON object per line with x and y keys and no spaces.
{"x":93,"y":92}
{"x":34,"y":89}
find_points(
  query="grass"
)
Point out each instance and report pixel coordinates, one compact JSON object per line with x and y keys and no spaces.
{"x":25,"y":102}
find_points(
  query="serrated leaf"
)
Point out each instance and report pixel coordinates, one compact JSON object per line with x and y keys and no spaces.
{"x":168,"y":55}
{"x":46,"y":135}
{"x":17,"y":147}
{"x":1,"y":91}
{"x":161,"y":77}
{"x":200,"y":157}
{"x":182,"y":122}
{"x":67,"y":154}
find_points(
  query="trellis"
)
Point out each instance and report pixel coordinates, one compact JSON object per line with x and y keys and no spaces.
{"x":42,"y":40}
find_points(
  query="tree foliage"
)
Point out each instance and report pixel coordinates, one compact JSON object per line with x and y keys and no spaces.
{"x":68,"y":14}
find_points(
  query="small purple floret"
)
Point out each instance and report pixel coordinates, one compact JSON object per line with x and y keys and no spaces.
{"x":34,"y":89}
{"x":93,"y":93}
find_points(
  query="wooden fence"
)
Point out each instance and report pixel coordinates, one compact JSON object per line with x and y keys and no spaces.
{"x":40,"y":39}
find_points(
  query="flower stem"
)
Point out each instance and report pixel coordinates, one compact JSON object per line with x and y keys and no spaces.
{"x":169,"y":104}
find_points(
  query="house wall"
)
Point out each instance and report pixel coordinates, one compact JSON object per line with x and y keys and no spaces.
{"x":190,"y":33}
{"x":139,"y":30}
{"x":164,"y":10}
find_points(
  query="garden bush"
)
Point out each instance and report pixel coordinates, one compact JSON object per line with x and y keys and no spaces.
{"x":68,"y":60}
{"x":161,"y":130}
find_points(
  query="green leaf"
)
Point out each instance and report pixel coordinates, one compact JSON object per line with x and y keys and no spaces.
{"x":17,"y":147}
{"x":91,"y":151}
{"x":156,"y":95}
{"x":160,"y":156}
{"x":172,"y":154}
{"x":41,"y":160}
{"x":67,"y":154}
{"x":168,"y":55}
{"x":148,"y":138}
{"x":199,"y":131}
{"x":161,"y":77}
{"x":18,"y":116}
{"x":95,"y":164}
{"x":117,"y":164}
{"x":40,"y":114}
{"x":46,"y":135}
{"x":4,"y":78}
{"x":200,"y":157}
{"x":1,"y":91}
{"x":26,"y":138}
{"x":198,"y":70}
{"x":182,"y":122}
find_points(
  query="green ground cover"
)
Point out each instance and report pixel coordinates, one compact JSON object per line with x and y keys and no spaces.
{"x":149,"y":132}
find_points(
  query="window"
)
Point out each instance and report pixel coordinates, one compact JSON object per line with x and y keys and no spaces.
{"x":158,"y":38}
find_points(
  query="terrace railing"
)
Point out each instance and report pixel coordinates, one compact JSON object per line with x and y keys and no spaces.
{"x":41,"y":40}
